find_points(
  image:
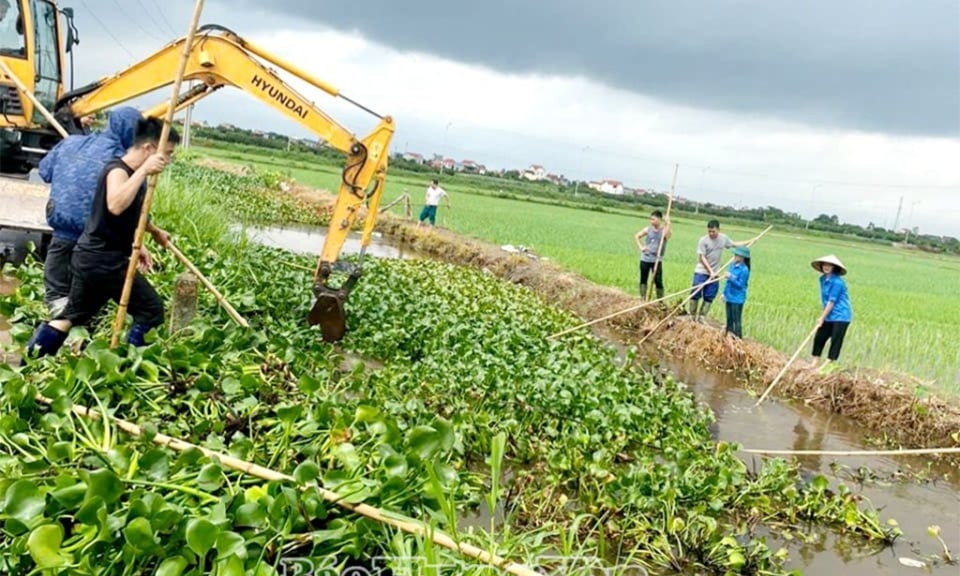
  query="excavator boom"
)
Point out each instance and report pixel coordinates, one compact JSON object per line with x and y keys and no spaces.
{"x":218,"y":57}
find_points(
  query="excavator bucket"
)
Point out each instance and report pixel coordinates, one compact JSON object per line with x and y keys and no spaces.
{"x":329,"y":308}
{"x":329,"y":313}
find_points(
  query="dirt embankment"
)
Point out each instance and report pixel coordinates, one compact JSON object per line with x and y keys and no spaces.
{"x":883,"y":403}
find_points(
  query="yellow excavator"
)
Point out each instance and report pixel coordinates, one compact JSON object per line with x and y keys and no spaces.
{"x":33,"y":47}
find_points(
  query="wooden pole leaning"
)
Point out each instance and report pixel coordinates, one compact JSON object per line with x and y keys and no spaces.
{"x":697,"y":287}
{"x":209,"y":286}
{"x":33,"y":98}
{"x":407,"y":525}
{"x":663,"y":236}
{"x":621,"y":312}
{"x":787,"y":365}
{"x":152,"y":182}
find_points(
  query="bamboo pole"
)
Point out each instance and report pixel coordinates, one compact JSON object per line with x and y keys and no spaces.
{"x":904,"y":452}
{"x":663,"y":235}
{"x":33,"y":98}
{"x":409,"y":525}
{"x":624,"y":311}
{"x":152,"y":183}
{"x":692,"y":292}
{"x":787,"y":365}
{"x":209,"y":285}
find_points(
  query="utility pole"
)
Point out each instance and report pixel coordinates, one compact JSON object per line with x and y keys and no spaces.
{"x":896,"y":220}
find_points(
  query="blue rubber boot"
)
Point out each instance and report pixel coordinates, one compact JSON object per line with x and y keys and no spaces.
{"x":137,"y":333}
{"x":47,"y":339}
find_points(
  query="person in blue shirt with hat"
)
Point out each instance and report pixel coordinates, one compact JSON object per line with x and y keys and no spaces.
{"x":735,"y":290}
{"x":834,"y":320}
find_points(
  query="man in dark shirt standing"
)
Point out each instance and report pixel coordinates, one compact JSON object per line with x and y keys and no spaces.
{"x":101,"y":255}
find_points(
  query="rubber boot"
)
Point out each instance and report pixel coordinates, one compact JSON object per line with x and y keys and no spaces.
{"x":693,"y":308}
{"x":47,"y":340}
{"x":704,"y":308}
{"x":137,"y":334}
{"x":643,"y":291}
{"x":659,"y":293}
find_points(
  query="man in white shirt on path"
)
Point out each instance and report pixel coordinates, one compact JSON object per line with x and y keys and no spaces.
{"x":434,"y":194}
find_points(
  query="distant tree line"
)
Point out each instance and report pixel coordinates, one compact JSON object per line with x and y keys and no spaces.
{"x":513,"y":181}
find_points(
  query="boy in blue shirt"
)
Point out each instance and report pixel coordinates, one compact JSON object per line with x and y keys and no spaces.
{"x":735,"y":290}
{"x":837,"y":313}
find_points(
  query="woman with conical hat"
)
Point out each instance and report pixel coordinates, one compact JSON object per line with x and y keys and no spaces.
{"x":837,"y":313}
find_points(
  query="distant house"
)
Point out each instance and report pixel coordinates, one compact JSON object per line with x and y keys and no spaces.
{"x":414,"y":157}
{"x":608,"y":187}
{"x":535,"y":172}
{"x":469,"y":166}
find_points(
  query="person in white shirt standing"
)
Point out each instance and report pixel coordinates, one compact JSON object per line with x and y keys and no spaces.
{"x":434,"y":194}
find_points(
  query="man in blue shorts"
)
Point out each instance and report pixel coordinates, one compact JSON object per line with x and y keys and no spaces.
{"x":709,"y":251}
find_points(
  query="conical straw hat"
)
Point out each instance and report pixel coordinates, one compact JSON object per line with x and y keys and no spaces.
{"x":839,"y":268}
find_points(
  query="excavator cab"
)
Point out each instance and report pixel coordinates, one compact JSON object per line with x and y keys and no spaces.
{"x":217,"y":58}
{"x":30,"y":47}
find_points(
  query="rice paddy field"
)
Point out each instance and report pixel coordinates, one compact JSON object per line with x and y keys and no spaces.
{"x":906,"y":316}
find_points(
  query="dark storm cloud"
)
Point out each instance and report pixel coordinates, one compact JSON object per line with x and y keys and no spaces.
{"x":879,"y":65}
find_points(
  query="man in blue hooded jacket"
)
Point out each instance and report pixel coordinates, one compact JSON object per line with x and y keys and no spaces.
{"x":72,"y":168}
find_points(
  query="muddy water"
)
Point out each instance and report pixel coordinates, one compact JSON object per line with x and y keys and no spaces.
{"x":909,"y":489}
{"x":309,"y":240}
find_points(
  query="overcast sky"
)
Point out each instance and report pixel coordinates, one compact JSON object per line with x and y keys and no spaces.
{"x":819,"y":106}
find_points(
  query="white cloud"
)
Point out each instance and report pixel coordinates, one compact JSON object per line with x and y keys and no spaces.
{"x":513,"y":121}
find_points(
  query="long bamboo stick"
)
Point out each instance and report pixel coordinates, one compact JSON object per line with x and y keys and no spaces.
{"x":787,"y":365}
{"x":33,"y":98}
{"x":663,"y":235}
{"x":209,"y":285}
{"x":152,"y":182}
{"x":692,"y":292}
{"x":904,"y":452}
{"x":624,"y":311}
{"x":410,"y":526}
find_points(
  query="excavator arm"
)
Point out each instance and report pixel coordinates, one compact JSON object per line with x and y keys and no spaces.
{"x":219,"y":57}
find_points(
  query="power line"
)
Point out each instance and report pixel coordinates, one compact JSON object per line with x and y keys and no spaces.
{"x":129,"y":19}
{"x":152,"y":19}
{"x":164,"y":16}
{"x":107,"y":30}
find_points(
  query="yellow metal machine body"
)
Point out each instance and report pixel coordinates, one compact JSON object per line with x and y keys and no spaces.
{"x":218,"y":58}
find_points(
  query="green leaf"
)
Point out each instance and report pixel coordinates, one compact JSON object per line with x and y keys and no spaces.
{"x":70,"y":497}
{"x":231,"y":544}
{"x":139,"y":534}
{"x":105,"y":484}
{"x":172,"y":566}
{"x":201,"y":535}
{"x":424,"y":441}
{"x":210,"y":477}
{"x":288,"y":413}
{"x":44,"y":546}
{"x":23,"y":501}
{"x":306,"y":472}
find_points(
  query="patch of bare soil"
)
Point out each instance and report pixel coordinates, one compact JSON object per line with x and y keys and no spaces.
{"x":231,"y":167}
